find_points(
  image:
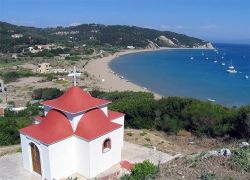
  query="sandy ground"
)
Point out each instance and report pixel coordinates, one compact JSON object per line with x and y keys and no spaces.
{"x":108,"y":80}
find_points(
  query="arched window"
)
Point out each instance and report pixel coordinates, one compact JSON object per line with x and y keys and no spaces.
{"x":106,"y":146}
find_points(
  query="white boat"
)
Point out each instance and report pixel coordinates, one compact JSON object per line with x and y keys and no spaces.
{"x":206,"y":58}
{"x":192,"y":58}
{"x":231,"y":68}
{"x":223,"y":64}
{"x":246,"y":76}
{"x":215,"y":61}
{"x":222,"y":57}
{"x":211,"y":100}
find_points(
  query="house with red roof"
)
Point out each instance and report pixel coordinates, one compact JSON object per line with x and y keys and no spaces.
{"x":77,"y":134}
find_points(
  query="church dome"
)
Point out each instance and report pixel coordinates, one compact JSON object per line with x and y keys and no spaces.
{"x":54,"y":127}
{"x":94,"y":124}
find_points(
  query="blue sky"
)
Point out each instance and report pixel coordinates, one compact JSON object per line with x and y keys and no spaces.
{"x":214,"y":20}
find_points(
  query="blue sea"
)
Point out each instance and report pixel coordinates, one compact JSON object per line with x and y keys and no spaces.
{"x":191,"y":72}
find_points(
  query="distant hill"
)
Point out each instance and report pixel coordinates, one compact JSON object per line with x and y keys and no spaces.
{"x":14,"y":38}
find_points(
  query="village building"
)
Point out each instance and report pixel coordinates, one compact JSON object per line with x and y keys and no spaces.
{"x":63,"y":56}
{"x":14,"y":56}
{"x":2,"y":88}
{"x":77,"y":134}
{"x":41,"y":47}
{"x":1,"y":111}
{"x":130,"y":47}
{"x":16,"y":36}
{"x":44,"y":68}
{"x":59,"y":70}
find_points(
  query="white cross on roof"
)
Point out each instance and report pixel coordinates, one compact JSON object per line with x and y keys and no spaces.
{"x":75,"y":74}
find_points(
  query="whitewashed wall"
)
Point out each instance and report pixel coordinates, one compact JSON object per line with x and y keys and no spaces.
{"x":83,"y":159}
{"x":104,"y":108}
{"x":100,"y":161}
{"x":46,"y":109}
{"x":62,"y":158}
{"x":27,"y":158}
{"x":120,"y":121}
{"x":74,"y":119}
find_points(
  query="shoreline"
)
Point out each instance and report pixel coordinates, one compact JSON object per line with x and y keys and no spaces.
{"x":111,"y":81}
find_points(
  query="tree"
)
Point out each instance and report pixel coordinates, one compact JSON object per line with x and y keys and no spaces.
{"x":242,"y":122}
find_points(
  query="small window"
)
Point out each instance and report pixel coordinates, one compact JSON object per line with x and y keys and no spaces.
{"x":106,"y":146}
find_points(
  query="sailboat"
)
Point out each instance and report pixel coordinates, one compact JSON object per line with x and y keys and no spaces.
{"x":231,"y":68}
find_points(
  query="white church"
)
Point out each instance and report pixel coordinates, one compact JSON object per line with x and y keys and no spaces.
{"x":77,"y":134}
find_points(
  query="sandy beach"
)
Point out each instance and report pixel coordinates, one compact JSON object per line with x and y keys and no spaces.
{"x":109,"y":80}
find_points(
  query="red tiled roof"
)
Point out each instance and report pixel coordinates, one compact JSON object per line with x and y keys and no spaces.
{"x":54,"y":127}
{"x":94,"y":124}
{"x":38,"y":118}
{"x":1,"y":111}
{"x":113,"y":114}
{"x":126,"y":165}
{"x":75,"y":100}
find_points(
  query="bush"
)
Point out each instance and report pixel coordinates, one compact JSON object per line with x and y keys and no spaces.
{"x":11,"y":76}
{"x":173,"y":114}
{"x":242,"y":122}
{"x":240,"y":160}
{"x":208,"y":176}
{"x":142,"y":170}
{"x":46,"y":93}
{"x":12,"y":122}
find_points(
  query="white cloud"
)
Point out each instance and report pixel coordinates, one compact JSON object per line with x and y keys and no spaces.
{"x":179,"y":27}
{"x":75,"y":24}
{"x":20,"y":22}
{"x":164,"y":26}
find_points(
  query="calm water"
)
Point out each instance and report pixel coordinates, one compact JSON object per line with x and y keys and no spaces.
{"x":173,"y":73}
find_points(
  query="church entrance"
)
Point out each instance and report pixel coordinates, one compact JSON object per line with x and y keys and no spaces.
{"x":36,"y":164}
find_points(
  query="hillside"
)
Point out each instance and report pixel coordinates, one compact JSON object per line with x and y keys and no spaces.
{"x":14,"y":38}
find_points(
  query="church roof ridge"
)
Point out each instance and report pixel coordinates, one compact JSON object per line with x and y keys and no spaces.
{"x":75,"y":100}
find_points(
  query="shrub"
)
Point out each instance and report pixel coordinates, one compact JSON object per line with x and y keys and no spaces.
{"x":46,"y":93}
{"x":208,"y":176}
{"x":242,"y":122}
{"x":143,"y":170}
{"x":240,"y":160}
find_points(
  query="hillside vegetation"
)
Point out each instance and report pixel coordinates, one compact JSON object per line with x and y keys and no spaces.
{"x":92,"y":35}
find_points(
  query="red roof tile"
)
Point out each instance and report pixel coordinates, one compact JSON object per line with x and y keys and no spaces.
{"x":75,"y":100}
{"x":94,"y":124}
{"x":54,"y":127}
{"x":113,"y":114}
{"x":126,"y":165}
{"x":1,"y":111}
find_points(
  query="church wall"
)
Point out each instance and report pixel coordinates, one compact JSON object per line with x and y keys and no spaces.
{"x":83,"y":159}
{"x":62,"y":158}
{"x":27,"y":159}
{"x":74,"y":119}
{"x":46,"y":109}
{"x":100,"y":161}
{"x":120,"y":121}
{"x":104,"y":109}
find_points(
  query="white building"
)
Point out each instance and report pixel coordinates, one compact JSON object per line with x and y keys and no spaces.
{"x":16,"y":36}
{"x":130,"y":47}
{"x":78,"y":134}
